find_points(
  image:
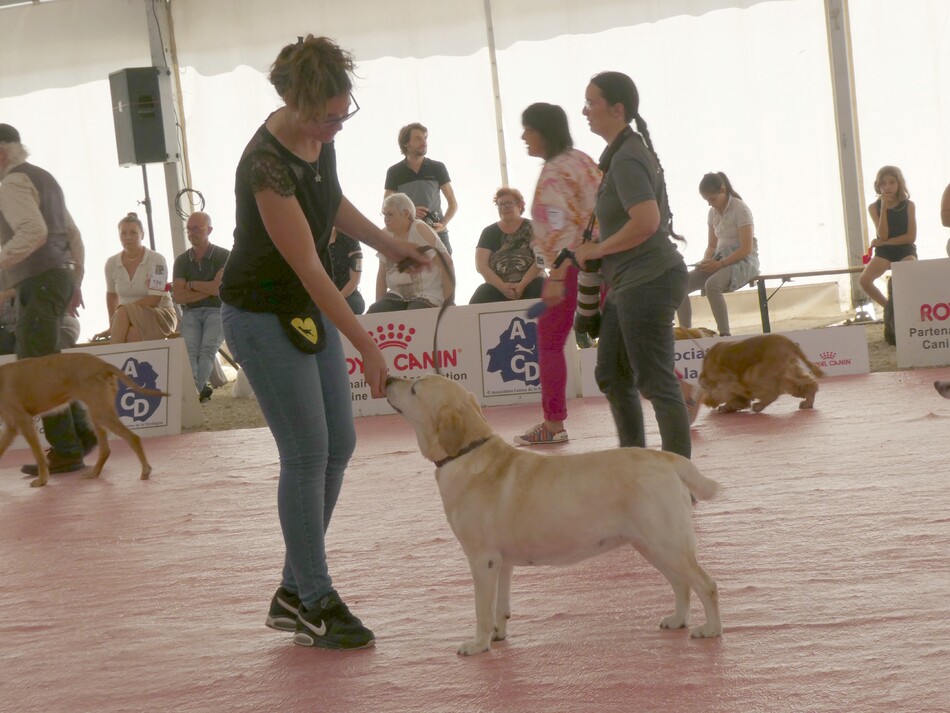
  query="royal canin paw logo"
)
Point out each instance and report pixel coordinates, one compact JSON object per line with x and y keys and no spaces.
{"x":825,"y":356}
{"x":392,"y":335}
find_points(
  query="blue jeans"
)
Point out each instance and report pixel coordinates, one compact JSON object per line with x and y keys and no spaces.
{"x":635,"y":354}
{"x":305,"y":399}
{"x":201,"y":329}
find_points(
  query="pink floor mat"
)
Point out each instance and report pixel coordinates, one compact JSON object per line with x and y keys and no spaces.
{"x":830,"y":543}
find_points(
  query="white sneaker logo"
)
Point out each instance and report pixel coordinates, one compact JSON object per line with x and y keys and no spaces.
{"x":318,"y":630}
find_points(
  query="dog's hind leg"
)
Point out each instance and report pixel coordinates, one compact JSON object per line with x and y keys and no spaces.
{"x":102,"y":439}
{"x":683,"y":571}
{"x":485,"y":571}
{"x":104,"y":416}
{"x":806,"y":391}
{"x":708,"y":593}
{"x":503,"y":603}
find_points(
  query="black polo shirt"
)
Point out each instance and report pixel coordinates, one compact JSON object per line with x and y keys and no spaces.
{"x":190,"y":270}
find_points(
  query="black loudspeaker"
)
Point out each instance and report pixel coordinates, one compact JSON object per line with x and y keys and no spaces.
{"x":143,"y":115}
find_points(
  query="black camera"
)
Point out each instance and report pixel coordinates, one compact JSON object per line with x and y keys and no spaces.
{"x":432,"y":217}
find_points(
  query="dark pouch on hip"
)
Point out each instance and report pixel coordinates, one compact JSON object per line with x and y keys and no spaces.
{"x":304,"y":329}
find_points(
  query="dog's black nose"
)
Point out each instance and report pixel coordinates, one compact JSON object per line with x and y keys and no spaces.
{"x":391,"y":379}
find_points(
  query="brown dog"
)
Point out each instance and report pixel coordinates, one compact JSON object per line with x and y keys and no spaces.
{"x":692,"y":333}
{"x":30,"y":387}
{"x":764,"y":367}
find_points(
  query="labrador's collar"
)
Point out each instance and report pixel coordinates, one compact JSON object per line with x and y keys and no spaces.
{"x":470,"y":447}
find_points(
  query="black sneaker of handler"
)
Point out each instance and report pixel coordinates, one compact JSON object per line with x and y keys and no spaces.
{"x":205,"y":393}
{"x":283,"y":610}
{"x":330,"y":625}
{"x":56,"y":464}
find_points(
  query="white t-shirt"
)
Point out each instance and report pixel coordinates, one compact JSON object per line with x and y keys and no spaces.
{"x":149,"y":279}
{"x":726,"y":225}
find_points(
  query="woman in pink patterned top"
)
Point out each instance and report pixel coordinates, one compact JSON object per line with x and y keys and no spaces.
{"x":563,"y":203}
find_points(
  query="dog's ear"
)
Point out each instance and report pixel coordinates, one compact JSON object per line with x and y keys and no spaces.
{"x":450,"y":428}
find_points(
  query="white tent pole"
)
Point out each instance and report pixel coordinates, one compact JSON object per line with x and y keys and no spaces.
{"x":161,"y":41}
{"x":849,"y":142}
{"x":499,"y":124}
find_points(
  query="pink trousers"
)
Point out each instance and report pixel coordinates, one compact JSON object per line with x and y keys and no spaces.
{"x":554,"y":326}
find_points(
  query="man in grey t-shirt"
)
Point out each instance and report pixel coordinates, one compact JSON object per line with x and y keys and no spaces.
{"x":423,"y":180}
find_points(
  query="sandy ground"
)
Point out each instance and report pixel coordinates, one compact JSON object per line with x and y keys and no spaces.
{"x":225,"y":413}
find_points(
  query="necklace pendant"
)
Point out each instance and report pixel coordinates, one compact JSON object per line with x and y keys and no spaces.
{"x":316,"y":178}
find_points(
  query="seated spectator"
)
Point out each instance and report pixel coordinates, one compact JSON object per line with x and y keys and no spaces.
{"x":731,"y":258}
{"x":397,"y":290}
{"x":346,"y":258}
{"x":196,"y":277}
{"x":504,"y":256}
{"x":139,"y":306}
{"x":895,"y":229}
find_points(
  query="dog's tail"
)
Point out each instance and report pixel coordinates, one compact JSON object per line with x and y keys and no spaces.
{"x":808,"y":362}
{"x":699,"y":485}
{"x":130,"y":382}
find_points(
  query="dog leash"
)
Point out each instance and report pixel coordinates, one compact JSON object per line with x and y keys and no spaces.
{"x":407,"y":263}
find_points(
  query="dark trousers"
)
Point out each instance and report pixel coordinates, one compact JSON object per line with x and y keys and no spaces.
{"x":486,"y":293}
{"x":635,"y":355}
{"x":42,"y":301}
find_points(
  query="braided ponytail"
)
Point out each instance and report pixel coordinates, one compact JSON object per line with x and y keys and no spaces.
{"x":645,"y":133}
{"x":618,"y":88}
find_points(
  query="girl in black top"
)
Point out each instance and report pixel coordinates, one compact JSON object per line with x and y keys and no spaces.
{"x":895,"y":229}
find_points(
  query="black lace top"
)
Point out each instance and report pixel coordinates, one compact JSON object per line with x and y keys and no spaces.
{"x":256,"y":277}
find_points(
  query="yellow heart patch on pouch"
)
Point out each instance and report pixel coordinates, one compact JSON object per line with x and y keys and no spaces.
{"x":306,"y":327}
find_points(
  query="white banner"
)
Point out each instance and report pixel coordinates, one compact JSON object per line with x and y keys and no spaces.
{"x":836,"y":350}
{"x":922,"y":312}
{"x":491,"y":349}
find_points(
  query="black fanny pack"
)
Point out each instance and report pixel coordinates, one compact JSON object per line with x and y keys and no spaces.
{"x":304,"y":329}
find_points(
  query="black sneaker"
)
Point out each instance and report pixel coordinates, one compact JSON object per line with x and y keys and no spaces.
{"x":205,"y":393}
{"x":56,"y":464}
{"x":283,"y":610}
{"x":331,"y":626}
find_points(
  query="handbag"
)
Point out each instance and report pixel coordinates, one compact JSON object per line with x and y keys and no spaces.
{"x":304,"y":329}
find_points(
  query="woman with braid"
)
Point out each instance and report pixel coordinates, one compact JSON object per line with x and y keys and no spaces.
{"x":645,"y":272}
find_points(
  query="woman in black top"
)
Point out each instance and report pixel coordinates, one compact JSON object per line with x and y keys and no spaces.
{"x":288,"y":199}
{"x":504,"y":256}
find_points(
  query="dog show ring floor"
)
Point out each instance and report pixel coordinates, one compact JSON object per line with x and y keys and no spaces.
{"x":829,"y":541}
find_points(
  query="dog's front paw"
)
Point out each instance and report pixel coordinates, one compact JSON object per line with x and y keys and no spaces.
{"x":706,"y":631}
{"x":473,"y":646}
{"x":37,"y":483}
{"x":673,"y":621}
{"x":501,"y":632}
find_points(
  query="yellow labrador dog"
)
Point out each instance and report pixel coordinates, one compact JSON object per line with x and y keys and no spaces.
{"x":31,"y":387}
{"x":510,"y":507}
